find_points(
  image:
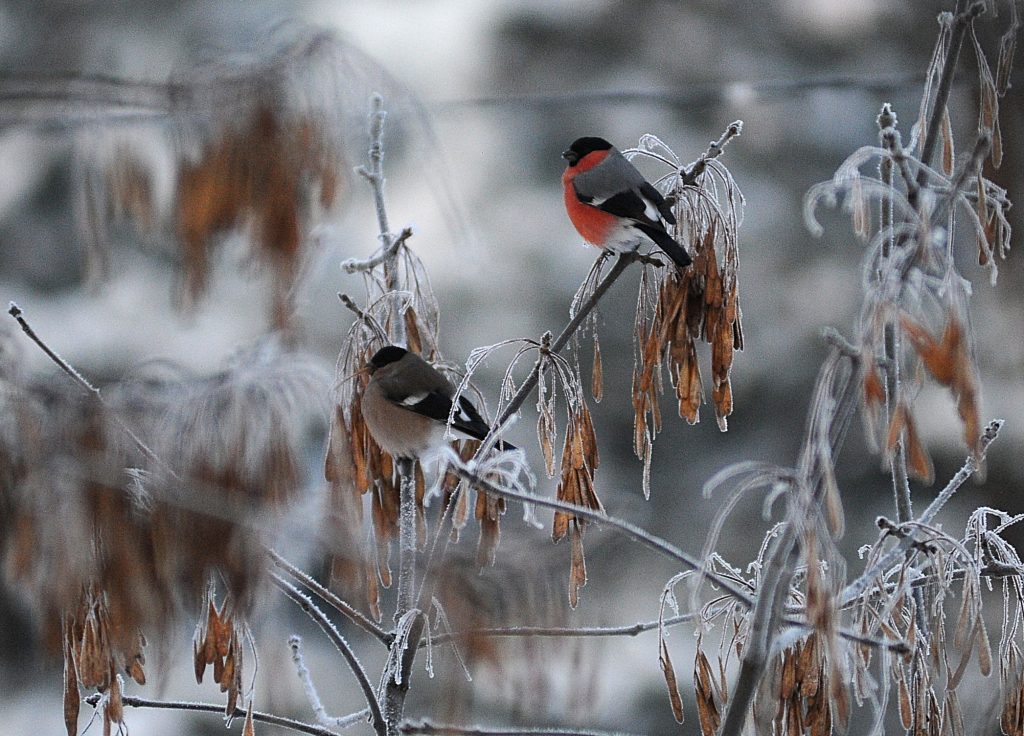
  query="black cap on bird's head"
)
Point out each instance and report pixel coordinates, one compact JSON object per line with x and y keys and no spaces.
{"x":582,"y":146}
{"x":386,"y":356}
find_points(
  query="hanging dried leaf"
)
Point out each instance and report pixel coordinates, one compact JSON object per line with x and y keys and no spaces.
{"x":840,"y":700}
{"x":115,"y":704}
{"x":942,"y":358}
{"x":488,"y":513}
{"x":984,"y":649}
{"x":919,"y":462}
{"x":249,"y":729}
{"x":412,"y":332}
{"x":707,"y":708}
{"x":1007,"y":46}
{"x":578,"y":565}
{"x":984,"y":243}
{"x":670,"y":680}
{"x":688,"y":387}
{"x":949,"y":362}
{"x":947,"y":143}
{"x":788,"y":683}
{"x":372,"y":590}
{"x":896,"y":425}
{"x":546,"y":432}
{"x":580,"y":460}
{"x":860,"y":210}
{"x":597,"y":374}
{"x":905,"y":711}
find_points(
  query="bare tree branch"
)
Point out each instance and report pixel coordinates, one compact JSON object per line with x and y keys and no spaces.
{"x":185,"y":705}
{"x":437,"y":729}
{"x":351,"y":613}
{"x":306,"y":604}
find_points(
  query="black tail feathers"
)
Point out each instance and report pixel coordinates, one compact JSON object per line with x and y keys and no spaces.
{"x":667,"y":244}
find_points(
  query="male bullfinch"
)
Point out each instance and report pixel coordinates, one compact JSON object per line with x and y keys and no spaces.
{"x":611,"y":204}
{"x":407,"y":403}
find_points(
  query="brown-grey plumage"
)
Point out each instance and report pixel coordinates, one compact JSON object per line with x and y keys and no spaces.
{"x":407,"y":403}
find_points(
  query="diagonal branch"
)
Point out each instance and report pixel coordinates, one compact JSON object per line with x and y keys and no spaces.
{"x":828,"y":429}
{"x":349,"y":612}
{"x":623,"y":262}
{"x":961,"y":21}
{"x":969,"y":468}
{"x":306,"y":604}
{"x":15,"y":311}
{"x":439,"y":729}
{"x":630,"y":530}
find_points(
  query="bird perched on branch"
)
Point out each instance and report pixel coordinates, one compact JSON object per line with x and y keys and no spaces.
{"x":407,"y":404}
{"x":611,"y":204}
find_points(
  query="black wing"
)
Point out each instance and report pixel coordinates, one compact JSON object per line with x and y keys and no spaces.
{"x":438,"y":407}
{"x":626,"y":204}
{"x":433,"y":405}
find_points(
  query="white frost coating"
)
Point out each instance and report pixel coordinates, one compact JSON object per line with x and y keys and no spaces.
{"x":441,"y":621}
{"x":393,"y":666}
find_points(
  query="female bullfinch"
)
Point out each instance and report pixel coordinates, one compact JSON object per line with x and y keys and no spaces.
{"x":611,"y":204}
{"x":407,"y":403}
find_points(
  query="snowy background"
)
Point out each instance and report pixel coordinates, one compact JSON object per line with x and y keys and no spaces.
{"x":483,"y":96}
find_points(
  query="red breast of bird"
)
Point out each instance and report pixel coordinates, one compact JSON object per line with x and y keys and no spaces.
{"x":607,"y":172}
{"x":596,"y":226}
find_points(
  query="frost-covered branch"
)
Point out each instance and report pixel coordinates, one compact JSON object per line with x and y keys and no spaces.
{"x":348,"y":611}
{"x":621,"y":264}
{"x":438,"y":729}
{"x":969,"y":468}
{"x":295,"y":642}
{"x":15,"y":311}
{"x":306,"y":604}
{"x":186,"y":705}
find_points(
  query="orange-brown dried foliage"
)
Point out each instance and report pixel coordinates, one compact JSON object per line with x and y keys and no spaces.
{"x":257,"y":175}
{"x":576,"y":486}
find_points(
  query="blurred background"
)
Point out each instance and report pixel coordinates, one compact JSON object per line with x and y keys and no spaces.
{"x":482,"y":98}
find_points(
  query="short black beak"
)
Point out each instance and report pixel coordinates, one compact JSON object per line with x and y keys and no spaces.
{"x":567,"y":154}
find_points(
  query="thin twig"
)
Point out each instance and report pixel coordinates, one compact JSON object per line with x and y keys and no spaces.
{"x":353,"y":614}
{"x":440,"y":729}
{"x":621,"y":264}
{"x":632,"y":531}
{"x":15,"y":311}
{"x":306,"y":604}
{"x":969,"y":468}
{"x":398,"y":687}
{"x":694,"y":95}
{"x":352,"y":265}
{"x":565,"y":631}
{"x":406,"y":536}
{"x":991,"y":570}
{"x":689,"y":176}
{"x":961,"y":21}
{"x":375,"y":172}
{"x":185,"y":705}
{"x":891,"y":348}
{"x":322,"y":716}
